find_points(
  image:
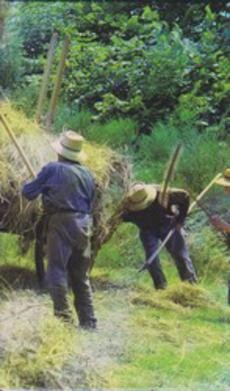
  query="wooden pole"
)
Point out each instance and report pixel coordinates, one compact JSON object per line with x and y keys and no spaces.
{"x":57,"y":86}
{"x":39,"y":263}
{"x":46,"y":74}
{"x":169,"y":173}
{"x":201,"y":195}
{"x":13,"y":138}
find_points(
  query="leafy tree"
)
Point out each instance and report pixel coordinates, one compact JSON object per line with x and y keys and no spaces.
{"x":142,"y":59}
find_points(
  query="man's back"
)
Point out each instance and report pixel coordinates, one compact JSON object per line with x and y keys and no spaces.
{"x":64,"y":186}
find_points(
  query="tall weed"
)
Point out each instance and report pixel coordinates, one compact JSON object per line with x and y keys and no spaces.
{"x":68,"y":116}
{"x":202,"y":158}
{"x":11,"y":61}
{"x":25,"y":97}
{"x":115,"y":133}
{"x":210,"y":254}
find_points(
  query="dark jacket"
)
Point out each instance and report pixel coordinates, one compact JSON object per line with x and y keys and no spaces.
{"x":155,"y":216}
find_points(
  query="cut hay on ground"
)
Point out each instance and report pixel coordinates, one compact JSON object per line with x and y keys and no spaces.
{"x":32,"y":352}
{"x":110,"y":169}
{"x":188,"y":295}
{"x":40,"y":352}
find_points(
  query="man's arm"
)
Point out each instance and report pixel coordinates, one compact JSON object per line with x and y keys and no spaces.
{"x":220,"y":224}
{"x":31,"y":190}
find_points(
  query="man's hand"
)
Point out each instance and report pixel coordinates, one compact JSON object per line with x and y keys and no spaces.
{"x":176,"y":224}
{"x":219,"y":224}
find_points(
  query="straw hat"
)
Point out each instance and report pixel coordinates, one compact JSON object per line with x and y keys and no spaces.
{"x":140,"y":196}
{"x":225,"y":179}
{"x":69,"y":146}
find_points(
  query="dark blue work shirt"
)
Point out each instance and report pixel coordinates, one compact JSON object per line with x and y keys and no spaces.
{"x":155,"y":217}
{"x":63,"y":186}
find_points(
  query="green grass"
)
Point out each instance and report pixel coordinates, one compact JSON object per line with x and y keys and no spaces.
{"x":181,"y":343}
{"x":178,"y":338}
{"x":173,"y":348}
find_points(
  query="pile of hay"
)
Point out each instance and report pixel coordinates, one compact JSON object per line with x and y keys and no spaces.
{"x":111,"y":171}
{"x":179,"y":297}
{"x":188,"y":295}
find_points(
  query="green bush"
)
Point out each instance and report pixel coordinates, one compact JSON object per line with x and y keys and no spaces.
{"x":68,"y":116}
{"x":209,"y":253}
{"x":125,"y":61}
{"x":11,"y":61}
{"x":158,"y":145}
{"x":35,"y":23}
{"x":25,"y":97}
{"x":135,"y":77}
{"x":203,"y":155}
{"x":115,"y":133}
{"x":154,"y":151}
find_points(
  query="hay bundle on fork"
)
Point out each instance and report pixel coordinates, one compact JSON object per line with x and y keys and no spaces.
{"x":18,"y":216}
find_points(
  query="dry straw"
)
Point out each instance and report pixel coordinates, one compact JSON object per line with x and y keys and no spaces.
{"x":111,"y":171}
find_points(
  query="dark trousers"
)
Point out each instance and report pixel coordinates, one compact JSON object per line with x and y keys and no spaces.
{"x":178,"y":250}
{"x":68,"y":249}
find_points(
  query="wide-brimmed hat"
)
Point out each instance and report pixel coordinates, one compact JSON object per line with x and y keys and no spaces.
{"x":140,"y":196}
{"x":224,"y":180}
{"x":69,"y":146}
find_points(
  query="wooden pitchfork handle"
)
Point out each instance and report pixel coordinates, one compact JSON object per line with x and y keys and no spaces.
{"x":201,"y":195}
{"x":19,"y":148}
{"x":39,"y":264}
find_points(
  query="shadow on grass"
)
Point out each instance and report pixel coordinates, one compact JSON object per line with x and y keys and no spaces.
{"x":16,"y":277}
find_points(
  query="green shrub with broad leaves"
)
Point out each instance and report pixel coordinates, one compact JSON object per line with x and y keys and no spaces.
{"x":133,"y":60}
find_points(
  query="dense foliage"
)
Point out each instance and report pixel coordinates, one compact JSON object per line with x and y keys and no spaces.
{"x":133,"y":68}
{"x":135,"y":59}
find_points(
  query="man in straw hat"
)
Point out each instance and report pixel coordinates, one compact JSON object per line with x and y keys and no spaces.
{"x":154,"y":222}
{"x":67,"y":188}
{"x":224,"y":181}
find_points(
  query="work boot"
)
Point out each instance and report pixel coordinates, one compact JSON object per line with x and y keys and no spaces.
{"x":88,"y":325}
{"x":192,"y":280}
{"x":85,"y":315}
{"x":60,"y":303}
{"x":85,"y":312}
{"x":83,"y":302}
